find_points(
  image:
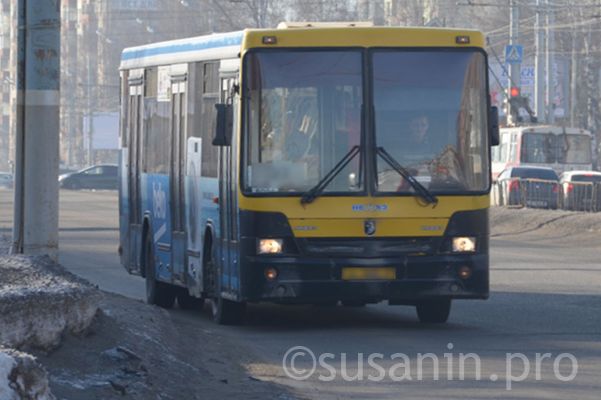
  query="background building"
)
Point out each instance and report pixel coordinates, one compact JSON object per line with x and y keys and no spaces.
{"x":94,"y":32}
{"x":6,"y":84}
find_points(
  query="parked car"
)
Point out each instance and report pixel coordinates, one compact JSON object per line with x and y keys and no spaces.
{"x":528,"y":186}
{"x":6,"y":180}
{"x":581,"y":190}
{"x":94,"y":177}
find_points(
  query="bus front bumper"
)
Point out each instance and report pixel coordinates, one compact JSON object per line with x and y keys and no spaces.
{"x":321,"y":280}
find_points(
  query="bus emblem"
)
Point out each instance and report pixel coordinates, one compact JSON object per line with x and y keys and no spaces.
{"x":369,"y":227}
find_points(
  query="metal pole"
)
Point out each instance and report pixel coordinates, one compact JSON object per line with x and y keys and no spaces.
{"x":573,"y":77}
{"x":549,"y":66}
{"x":90,"y":149}
{"x":18,"y":218}
{"x":35,"y":229}
{"x":539,"y":82}
{"x":514,"y":69}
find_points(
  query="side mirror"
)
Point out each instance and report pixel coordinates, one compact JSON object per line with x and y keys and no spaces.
{"x":493,"y":126}
{"x":224,"y":125}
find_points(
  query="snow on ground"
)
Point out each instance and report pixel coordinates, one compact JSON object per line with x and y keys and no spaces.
{"x":7,"y":363}
{"x":22,"y":377}
{"x":40,"y":300}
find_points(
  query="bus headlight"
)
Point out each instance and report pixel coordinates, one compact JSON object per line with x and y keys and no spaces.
{"x":465,"y":244}
{"x":270,"y":246}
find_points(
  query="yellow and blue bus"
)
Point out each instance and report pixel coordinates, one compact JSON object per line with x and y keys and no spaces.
{"x":308,"y":164}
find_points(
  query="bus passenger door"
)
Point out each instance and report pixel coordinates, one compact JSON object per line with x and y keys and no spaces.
{"x":134,"y":201}
{"x":194,"y":272}
{"x":228,"y":212}
{"x":177,"y":176}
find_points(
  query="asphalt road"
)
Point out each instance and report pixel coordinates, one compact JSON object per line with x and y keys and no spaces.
{"x":541,"y":324}
{"x":88,"y":238}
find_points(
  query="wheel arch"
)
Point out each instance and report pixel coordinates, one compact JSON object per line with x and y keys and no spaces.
{"x":146,"y":230}
{"x":208,"y":239}
{"x":208,"y":242}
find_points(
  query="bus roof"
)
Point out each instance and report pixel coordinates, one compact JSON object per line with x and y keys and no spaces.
{"x":215,"y":46}
{"x":230,"y":45}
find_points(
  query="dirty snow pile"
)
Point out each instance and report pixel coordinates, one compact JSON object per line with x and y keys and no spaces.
{"x":22,"y":377}
{"x":40,"y":300}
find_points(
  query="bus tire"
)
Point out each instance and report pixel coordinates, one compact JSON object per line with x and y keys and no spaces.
{"x":158,"y":293}
{"x":433,"y":311}
{"x":187,"y":302}
{"x":224,"y":311}
{"x":228,"y":312}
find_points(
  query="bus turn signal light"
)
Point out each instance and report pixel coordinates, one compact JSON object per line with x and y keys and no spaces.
{"x":270,"y":246}
{"x":464,"y":272}
{"x":271,"y":273}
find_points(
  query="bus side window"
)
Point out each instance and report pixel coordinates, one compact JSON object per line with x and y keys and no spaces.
{"x":156,"y":123}
{"x":124,"y":103}
{"x":205,"y":83}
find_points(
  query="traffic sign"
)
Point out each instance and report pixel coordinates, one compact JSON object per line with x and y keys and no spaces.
{"x":514,"y":53}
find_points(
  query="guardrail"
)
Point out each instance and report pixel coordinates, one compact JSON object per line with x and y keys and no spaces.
{"x":536,"y":193}
{"x":581,"y":196}
{"x":540,"y":193}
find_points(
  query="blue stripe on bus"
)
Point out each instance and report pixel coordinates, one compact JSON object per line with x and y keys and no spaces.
{"x":183,"y":47}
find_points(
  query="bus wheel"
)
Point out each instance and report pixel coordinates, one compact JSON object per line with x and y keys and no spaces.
{"x":228,"y":312}
{"x":187,"y":302}
{"x":157,"y":293}
{"x":434,"y":311}
{"x":224,"y":311}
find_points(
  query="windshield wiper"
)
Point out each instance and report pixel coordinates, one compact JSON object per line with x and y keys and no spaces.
{"x":420,"y":190}
{"x":310,"y":195}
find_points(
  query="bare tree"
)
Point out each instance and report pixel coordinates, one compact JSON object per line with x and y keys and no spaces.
{"x":334,"y":10}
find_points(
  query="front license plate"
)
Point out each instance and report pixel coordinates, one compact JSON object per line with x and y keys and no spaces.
{"x":359,"y":274}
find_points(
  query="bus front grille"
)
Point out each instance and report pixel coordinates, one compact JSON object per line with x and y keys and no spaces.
{"x":369,"y":247}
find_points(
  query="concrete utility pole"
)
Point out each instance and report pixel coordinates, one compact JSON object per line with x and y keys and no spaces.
{"x":35,"y":229}
{"x":549,"y":65}
{"x":514,"y":68}
{"x":539,"y":65}
{"x":574,"y":70}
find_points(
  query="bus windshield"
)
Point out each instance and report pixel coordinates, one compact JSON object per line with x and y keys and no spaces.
{"x":303,"y":115}
{"x":430,"y":115}
{"x":548,"y":148}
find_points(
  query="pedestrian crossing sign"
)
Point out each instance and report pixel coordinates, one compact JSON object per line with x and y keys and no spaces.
{"x":514,"y":53}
